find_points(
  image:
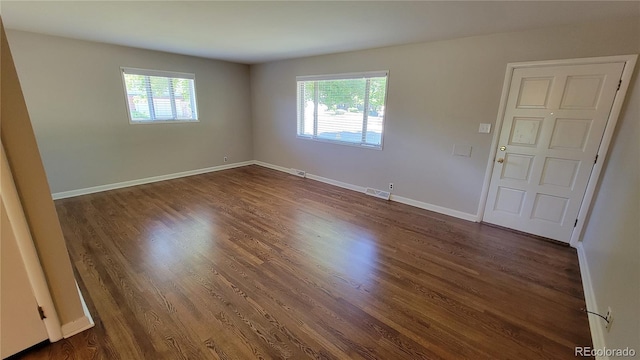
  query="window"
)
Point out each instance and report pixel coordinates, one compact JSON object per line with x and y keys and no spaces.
{"x":159,"y":96}
{"x":343,"y":108}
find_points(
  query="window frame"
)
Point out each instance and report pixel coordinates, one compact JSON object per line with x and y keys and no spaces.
{"x":341,"y":76}
{"x":160,"y":73}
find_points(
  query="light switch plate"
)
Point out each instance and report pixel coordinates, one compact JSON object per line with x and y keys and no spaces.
{"x":462,"y":150}
{"x":484,"y":128}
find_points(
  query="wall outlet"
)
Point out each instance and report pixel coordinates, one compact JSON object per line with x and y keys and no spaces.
{"x":390,"y":186}
{"x":609,"y":319}
{"x":225,"y":159}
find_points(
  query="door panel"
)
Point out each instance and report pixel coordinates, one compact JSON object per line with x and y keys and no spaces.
{"x":517,"y":167}
{"x":554,"y":121}
{"x":526,"y":131}
{"x":559,"y":172}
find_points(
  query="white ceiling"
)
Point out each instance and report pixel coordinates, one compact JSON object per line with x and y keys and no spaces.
{"x":255,"y":32}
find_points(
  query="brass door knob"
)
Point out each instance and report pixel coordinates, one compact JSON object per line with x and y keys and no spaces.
{"x":501,"y":160}
{"x":503,"y":148}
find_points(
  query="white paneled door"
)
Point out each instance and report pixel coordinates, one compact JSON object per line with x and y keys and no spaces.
{"x":555,"y":118}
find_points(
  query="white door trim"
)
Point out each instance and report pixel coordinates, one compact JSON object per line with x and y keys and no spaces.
{"x":28,"y":250}
{"x":629,"y":61}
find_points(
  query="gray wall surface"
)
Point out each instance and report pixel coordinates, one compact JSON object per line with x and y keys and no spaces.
{"x":438,"y":95}
{"x":76,"y":100}
{"x":612,"y":235}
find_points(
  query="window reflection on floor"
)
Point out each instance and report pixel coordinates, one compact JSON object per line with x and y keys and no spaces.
{"x":185,"y":239}
{"x":346,"y":253}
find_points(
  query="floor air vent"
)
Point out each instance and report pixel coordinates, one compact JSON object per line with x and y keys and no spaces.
{"x":297,"y":172}
{"x":378,"y":193}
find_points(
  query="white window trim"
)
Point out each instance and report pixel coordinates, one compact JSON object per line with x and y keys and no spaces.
{"x":342,"y":76}
{"x":355,"y":75}
{"x":161,"y":73}
{"x":345,"y":143}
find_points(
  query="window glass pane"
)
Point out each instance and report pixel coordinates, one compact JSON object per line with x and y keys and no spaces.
{"x":161,"y":101}
{"x":307,"y":97}
{"x":137,"y":97}
{"x":151,"y":96}
{"x":340,"y":109}
{"x":182,"y":95}
{"x":377,"y":95}
{"x":349,"y":110}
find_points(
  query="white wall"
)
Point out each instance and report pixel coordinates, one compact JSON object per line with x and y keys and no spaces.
{"x":438,"y":95}
{"x":612,"y":236}
{"x":75,"y":97}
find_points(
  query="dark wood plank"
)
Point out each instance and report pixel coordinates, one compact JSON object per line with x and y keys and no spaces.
{"x":252,"y":263}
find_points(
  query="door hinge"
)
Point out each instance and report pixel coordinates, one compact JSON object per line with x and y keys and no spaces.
{"x":596,"y":160}
{"x":619,"y":84}
{"x":575,"y":223}
{"x":41,"y":312}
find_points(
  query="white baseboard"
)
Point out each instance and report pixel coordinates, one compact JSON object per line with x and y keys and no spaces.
{"x":312,"y":177}
{"x":400,"y":199}
{"x":271,"y":166}
{"x":124,"y":184}
{"x":435,"y":208}
{"x":77,"y":326}
{"x":337,"y":183}
{"x":595,"y":323}
{"x":80,"y":324}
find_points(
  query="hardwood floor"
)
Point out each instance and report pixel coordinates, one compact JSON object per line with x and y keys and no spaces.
{"x":251,"y":263}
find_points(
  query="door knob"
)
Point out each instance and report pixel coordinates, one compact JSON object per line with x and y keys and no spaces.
{"x":503,"y":148}
{"x":501,"y":160}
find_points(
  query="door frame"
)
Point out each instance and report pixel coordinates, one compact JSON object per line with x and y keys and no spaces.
{"x":27,"y":249}
{"x":629,"y":65}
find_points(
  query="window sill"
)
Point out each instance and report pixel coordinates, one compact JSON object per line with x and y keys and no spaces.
{"x":148,"y":122}
{"x":358,"y":145}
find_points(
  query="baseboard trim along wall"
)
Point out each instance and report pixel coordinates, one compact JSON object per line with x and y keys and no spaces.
{"x":337,"y":183}
{"x":435,"y":208}
{"x":271,"y":166}
{"x":400,"y":199}
{"x":124,"y":184}
{"x":595,"y":323}
{"x":80,"y":324}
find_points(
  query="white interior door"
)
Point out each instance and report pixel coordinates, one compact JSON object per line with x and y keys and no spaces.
{"x":554,"y":120}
